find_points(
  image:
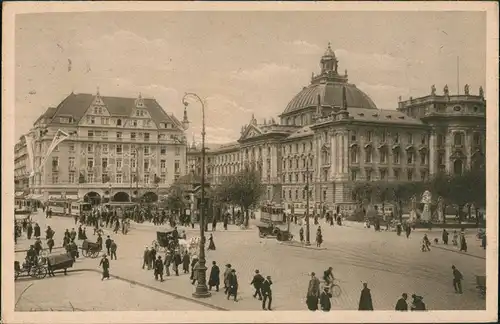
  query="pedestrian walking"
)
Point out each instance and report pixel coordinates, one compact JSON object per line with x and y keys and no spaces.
{"x":454,"y":239}
{"x":29,"y":231}
{"x":194,"y":260}
{"x":463,"y":242}
{"x":426,"y":244}
{"x":418,"y":303}
{"x":457,"y":280}
{"x":319,"y":237}
{"x":167,"y":262}
{"x":301,"y":235}
{"x":145,"y":258}
{"x":313,"y":293}
{"x":113,"y":247}
{"x":214,"y":278}
{"x":257,"y":281}
{"x":105,"y":267}
{"x":211,"y":244}
{"x":233,"y":285}
{"x":227,"y":272}
{"x":225,"y":221}
{"x":407,"y":230}
{"x":401,"y":304}
{"x":324,"y":299}
{"x":445,"y":236}
{"x":214,"y":224}
{"x":50,"y":244}
{"x":267,"y":294}
{"x":37,"y":230}
{"x":185,"y":262}
{"x":159,"y":268}
{"x":99,"y":241}
{"x":152,"y":258}
{"x":365,"y":300}
{"x":108,"y":245}
{"x":177,"y":261}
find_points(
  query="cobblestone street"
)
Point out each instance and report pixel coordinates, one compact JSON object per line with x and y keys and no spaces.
{"x":389,"y":264}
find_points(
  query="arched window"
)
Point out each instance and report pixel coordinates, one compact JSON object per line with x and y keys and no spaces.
{"x":354,"y":155}
{"x":476,"y":138}
{"x":457,"y":138}
{"x":458,"y":167}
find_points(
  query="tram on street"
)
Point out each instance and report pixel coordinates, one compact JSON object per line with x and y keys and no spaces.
{"x":272,"y":213}
{"x":61,"y":207}
{"x":79,"y":208}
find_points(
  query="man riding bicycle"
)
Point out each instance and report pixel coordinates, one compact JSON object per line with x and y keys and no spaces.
{"x":328,"y":276}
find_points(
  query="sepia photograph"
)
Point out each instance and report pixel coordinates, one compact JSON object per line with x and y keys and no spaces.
{"x":187,"y":158}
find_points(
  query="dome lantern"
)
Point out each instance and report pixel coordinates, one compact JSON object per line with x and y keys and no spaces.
{"x":328,"y":61}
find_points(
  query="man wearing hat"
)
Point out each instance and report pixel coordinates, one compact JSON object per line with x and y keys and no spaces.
{"x":233,"y":285}
{"x":159,"y":268}
{"x":105,"y":266}
{"x":257,"y":284}
{"x":168,"y":261}
{"x":267,"y":294}
{"x":227,"y":273}
{"x":313,"y":293}
{"x":145,"y":258}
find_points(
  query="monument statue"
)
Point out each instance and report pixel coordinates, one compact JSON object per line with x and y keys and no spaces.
{"x":426,"y":200}
{"x":433,"y":90}
{"x":440,"y":211}
{"x":446,"y":91}
{"x":466,"y":89}
{"x":413,"y":209}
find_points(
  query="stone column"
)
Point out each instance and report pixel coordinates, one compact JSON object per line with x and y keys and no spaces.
{"x":468,"y":148}
{"x":333,"y":156}
{"x":447,"y":145}
{"x":338,"y":144}
{"x":345,"y":153}
{"x":432,"y":154}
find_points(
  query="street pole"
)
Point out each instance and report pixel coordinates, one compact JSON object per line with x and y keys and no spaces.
{"x":201,"y":287}
{"x":308,"y":234}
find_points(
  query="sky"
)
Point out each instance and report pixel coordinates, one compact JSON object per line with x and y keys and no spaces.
{"x":242,"y":63}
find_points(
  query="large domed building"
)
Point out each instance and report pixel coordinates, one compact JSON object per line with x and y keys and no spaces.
{"x":333,"y":133}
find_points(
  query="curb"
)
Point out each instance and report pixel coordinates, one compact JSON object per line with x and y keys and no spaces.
{"x":133,"y":282}
{"x":302,"y":246}
{"x":459,"y":252}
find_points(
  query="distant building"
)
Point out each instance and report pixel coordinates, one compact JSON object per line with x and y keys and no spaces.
{"x":337,"y":130}
{"x":118,"y":148}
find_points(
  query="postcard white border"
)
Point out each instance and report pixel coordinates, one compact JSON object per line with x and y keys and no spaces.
{"x":8,"y":141}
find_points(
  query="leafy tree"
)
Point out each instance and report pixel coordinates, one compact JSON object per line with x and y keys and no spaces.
{"x":244,"y":189}
{"x":175,"y":199}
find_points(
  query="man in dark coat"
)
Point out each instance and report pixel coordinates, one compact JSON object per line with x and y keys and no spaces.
{"x":38,"y":246}
{"x":49,"y":233}
{"x":257,"y":281}
{"x":226,"y":216}
{"x":145,"y":258}
{"x":177,"y":262}
{"x":159,"y":268}
{"x":194,"y":260}
{"x":29,"y":231}
{"x":227,"y":273}
{"x":233,"y":285}
{"x":445,"y":236}
{"x":72,"y":235}
{"x":365,"y":300}
{"x":105,"y":267}
{"x":457,"y":280}
{"x":402,"y":305}
{"x":168,"y":260}
{"x":152,"y":257}
{"x":267,"y":294}
{"x":50,"y":244}
{"x":214,"y":224}
{"x":99,"y":241}
{"x":108,"y":245}
{"x":185,"y":262}
{"x":301,"y":234}
{"x":37,"y":230}
{"x":418,"y":303}
{"x":214,"y":280}
{"x":324,"y":299}
{"x":313,"y":293}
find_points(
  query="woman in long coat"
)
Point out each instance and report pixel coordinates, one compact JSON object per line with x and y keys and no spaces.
{"x":211,"y":245}
{"x":365,"y":300}
{"x":214,"y":280}
{"x":313,"y":293}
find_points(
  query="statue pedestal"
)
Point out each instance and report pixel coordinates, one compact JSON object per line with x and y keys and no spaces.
{"x":426,"y":213}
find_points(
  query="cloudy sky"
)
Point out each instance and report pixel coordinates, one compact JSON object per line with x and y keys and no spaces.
{"x":241,"y":62}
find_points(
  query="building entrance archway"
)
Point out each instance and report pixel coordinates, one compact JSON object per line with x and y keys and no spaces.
{"x":121,"y":197}
{"x":150,"y":197}
{"x":458,"y":166}
{"x":92,"y":198}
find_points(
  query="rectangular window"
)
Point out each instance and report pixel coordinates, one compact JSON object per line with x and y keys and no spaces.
{"x":146,"y":137}
{"x":119,"y":178}
{"x":177,"y":166}
{"x":368,"y":175}
{"x":104,"y":178}
{"x":163,"y":150}
{"x":104,"y":148}
{"x":71,"y":162}
{"x":396,"y":174}
{"x":289,"y":178}
{"x":104,"y":163}
{"x":55,"y":162}
{"x":383,"y":174}
{"x":90,"y":178}
{"x":118,"y":135}
{"x":410,"y":175}
{"x":423,"y":139}
{"x":119,"y":163}
{"x":90,"y":133}
{"x":90,"y":148}
{"x":396,"y":157}
{"x":71,"y":177}
{"x":90,"y":162}
{"x":384,"y":136}
{"x":55,"y":178}
{"x":163,"y":179}
{"x":383,"y":156}
{"x":396,"y":138}
{"x":423,"y":175}
{"x":105,"y":121}
{"x":146,"y":150}
{"x":354,"y":175}
{"x":353,"y":136}
{"x":423,"y":158}
{"x":146,"y":165}
{"x":133,"y":136}
{"x":104,"y":134}
{"x":410,"y":158}
{"x":92,"y":120}
{"x":146,"y":178}
{"x":368,"y":156}
{"x":177,"y":150}
{"x":410,"y":138}
{"x":163,"y":164}
{"x":119,"y":149}
{"x":441,"y":159}
{"x":369,"y":136}
{"x":71,"y":147}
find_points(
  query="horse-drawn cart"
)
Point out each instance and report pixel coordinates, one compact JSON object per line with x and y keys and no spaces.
{"x":37,"y":271}
{"x":165,"y":241}
{"x":90,"y":249}
{"x":59,"y":262}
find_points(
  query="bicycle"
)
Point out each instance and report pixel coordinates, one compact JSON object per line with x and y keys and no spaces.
{"x":334,"y":287}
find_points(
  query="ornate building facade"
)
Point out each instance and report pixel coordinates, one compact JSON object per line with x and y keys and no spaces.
{"x":117,"y":148}
{"x":332,"y":134}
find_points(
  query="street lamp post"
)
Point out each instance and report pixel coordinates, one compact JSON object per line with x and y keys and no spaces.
{"x":308,"y":234}
{"x":201,"y":287}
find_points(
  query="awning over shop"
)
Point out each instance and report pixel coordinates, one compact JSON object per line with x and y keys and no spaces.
{"x":34,"y":197}
{"x":72,"y":197}
{"x":19,"y":194}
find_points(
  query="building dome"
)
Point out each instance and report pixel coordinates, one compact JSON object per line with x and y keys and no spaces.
{"x":330,"y":94}
{"x":328,"y":87}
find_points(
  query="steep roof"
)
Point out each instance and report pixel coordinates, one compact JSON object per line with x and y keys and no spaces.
{"x":49,"y":113}
{"x":382,"y":116}
{"x":76,"y":105}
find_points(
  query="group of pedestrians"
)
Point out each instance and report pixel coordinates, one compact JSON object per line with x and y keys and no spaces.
{"x":262,"y":289}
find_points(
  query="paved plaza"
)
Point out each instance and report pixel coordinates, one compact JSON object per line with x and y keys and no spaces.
{"x":390,"y":264}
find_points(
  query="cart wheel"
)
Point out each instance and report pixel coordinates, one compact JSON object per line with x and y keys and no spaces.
{"x":336,"y":291}
{"x":41,"y":273}
{"x":44,"y":253}
{"x":94,"y":254}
